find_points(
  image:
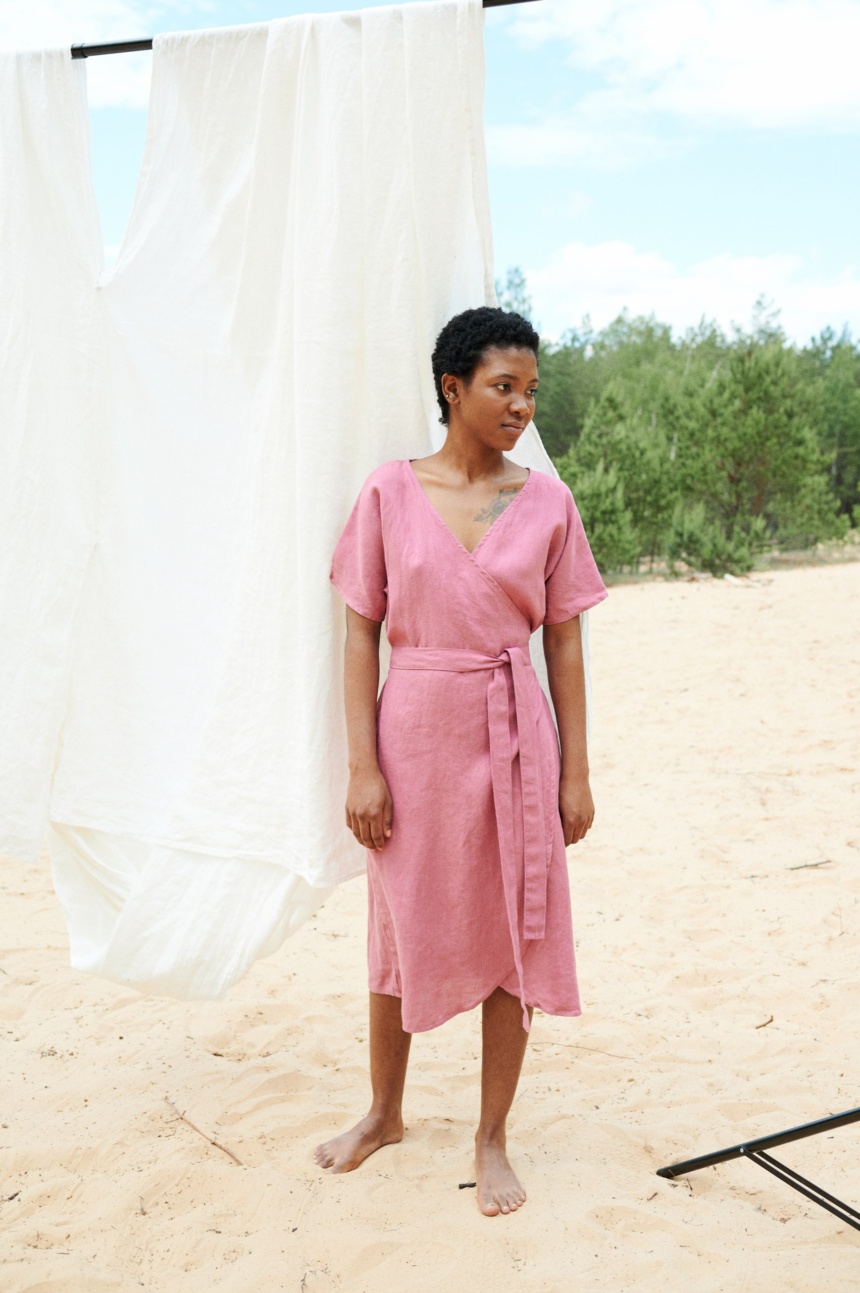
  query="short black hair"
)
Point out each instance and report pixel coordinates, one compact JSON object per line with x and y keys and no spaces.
{"x":462,"y":342}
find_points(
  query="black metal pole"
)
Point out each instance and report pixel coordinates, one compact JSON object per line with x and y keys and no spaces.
{"x":118,"y":47}
{"x":812,"y":1191}
{"x":130,"y":46}
{"x":754,"y":1150}
{"x":761,"y":1142}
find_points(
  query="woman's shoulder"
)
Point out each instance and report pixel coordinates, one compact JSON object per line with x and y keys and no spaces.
{"x":387,"y":474}
{"x":551,"y":488}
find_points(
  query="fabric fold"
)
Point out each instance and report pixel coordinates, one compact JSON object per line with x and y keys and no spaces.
{"x":181,"y":924}
{"x":529,"y":871}
{"x":182,"y":438}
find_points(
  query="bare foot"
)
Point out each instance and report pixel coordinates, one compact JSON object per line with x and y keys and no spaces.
{"x":498,"y":1187}
{"x":345,"y":1152}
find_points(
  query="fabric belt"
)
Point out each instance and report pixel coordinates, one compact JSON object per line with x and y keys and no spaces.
{"x":536,"y":840}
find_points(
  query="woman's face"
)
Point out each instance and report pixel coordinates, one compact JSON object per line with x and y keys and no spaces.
{"x":497,"y":402}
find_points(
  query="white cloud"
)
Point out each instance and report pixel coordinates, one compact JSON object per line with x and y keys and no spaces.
{"x":121,"y":81}
{"x":753,"y":63}
{"x":667,"y":66}
{"x":604,"y":279}
{"x":44,"y":24}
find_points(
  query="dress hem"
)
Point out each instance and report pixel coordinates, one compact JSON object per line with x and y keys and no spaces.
{"x":350,"y":600}
{"x":589,"y":606}
{"x":462,"y":1010}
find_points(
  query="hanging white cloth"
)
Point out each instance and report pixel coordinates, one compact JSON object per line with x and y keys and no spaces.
{"x":182,"y":440}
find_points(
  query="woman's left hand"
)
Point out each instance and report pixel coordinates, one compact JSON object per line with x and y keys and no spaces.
{"x":576,"y":807}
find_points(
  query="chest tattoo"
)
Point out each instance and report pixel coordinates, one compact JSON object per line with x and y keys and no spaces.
{"x":498,"y":505}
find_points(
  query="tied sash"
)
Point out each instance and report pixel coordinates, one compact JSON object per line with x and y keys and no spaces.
{"x":536,"y":844}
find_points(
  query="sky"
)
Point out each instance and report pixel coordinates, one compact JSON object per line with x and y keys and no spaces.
{"x":671,"y":157}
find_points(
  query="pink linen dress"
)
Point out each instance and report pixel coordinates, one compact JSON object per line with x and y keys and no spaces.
{"x":471,"y":890}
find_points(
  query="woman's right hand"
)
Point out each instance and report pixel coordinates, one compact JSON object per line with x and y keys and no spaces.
{"x":368,"y":808}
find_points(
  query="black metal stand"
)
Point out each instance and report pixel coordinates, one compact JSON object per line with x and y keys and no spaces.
{"x":754,"y":1150}
{"x":129,"y":46}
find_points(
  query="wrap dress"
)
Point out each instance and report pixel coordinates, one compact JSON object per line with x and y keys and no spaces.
{"x":471,"y":890}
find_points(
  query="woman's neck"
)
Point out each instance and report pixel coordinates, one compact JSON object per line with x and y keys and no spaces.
{"x":469,"y":458}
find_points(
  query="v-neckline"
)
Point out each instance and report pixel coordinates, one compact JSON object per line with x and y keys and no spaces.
{"x":407,"y":463}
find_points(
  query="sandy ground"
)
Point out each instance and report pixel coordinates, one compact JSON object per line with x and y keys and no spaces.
{"x":725,"y":759}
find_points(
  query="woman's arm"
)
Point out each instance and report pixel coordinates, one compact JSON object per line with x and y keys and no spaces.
{"x":562,"y":645}
{"x":368,"y":802}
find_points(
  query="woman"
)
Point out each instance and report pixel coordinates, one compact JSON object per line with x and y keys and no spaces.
{"x":456,"y":787}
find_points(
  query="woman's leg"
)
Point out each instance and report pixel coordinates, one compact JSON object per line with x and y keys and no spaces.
{"x":504,"y":1040}
{"x":389,"y":1056}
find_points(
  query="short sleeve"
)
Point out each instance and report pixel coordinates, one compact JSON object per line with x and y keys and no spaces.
{"x":573,"y":582}
{"x":358,"y":564}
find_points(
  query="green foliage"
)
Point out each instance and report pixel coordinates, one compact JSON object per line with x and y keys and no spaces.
{"x":704,"y":544}
{"x":636,"y":446}
{"x":703,"y":448}
{"x":832,"y":365}
{"x":569,"y":383}
{"x":599,"y":496}
{"x":753,"y":457}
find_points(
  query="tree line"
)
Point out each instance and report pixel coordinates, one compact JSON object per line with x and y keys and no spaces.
{"x":706,"y":448}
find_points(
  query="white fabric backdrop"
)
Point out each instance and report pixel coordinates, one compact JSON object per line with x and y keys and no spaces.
{"x":183,"y":438}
